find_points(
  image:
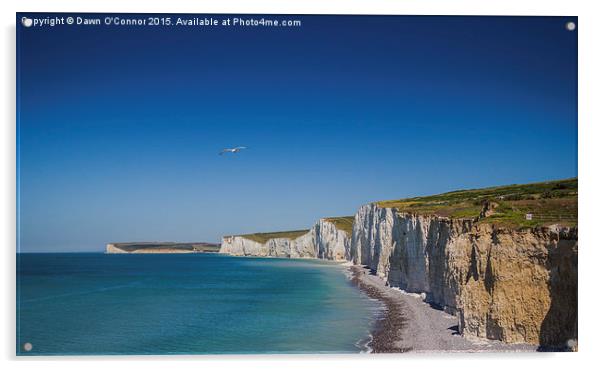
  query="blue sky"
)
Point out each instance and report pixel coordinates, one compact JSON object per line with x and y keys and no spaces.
{"x":119,"y":127}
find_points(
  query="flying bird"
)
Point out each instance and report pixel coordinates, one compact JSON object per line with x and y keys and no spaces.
{"x":233,"y":150}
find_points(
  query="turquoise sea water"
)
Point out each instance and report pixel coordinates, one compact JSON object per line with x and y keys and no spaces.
{"x":87,"y":303}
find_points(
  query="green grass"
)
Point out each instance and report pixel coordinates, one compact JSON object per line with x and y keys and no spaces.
{"x":553,"y":202}
{"x":265,"y":237}
{"x":545,"y":212}
{"x":342,"y":223}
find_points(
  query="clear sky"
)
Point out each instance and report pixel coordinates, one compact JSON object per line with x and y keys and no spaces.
{"x":119,"y":127}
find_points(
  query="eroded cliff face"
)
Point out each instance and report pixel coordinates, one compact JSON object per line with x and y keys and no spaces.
{"x":301,"y":247}
{"x":332,"y":243}
{"x":322,"y":241}
{"x":504,"y":284}
{"x":408,"y":251}
{"x":509,"y":285}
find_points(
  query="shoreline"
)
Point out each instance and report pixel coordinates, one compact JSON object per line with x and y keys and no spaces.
{"x":408,"y":324}
{"x":385,"y":336}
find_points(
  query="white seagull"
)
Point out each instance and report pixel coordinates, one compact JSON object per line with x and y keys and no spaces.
{"x":233,"y":150}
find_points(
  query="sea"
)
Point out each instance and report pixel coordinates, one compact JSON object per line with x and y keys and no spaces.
{"x":187,"y":304}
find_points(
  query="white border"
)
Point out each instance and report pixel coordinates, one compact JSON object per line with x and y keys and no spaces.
{"x":590,"y":120}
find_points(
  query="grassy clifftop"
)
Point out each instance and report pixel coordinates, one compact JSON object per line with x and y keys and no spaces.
{"x":553,"y":202}
{"x":342,"y":223}
{"x":265,"y":237}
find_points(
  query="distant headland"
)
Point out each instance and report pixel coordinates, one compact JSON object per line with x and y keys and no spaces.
{"x":160,"y":247}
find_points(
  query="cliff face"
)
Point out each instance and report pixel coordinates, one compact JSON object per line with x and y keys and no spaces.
{"x":323,"y":241}
{"x":332,"y":243}
{"x":502,"y":284}
{"x":112,"y":249}
{"x":509,"y":285}
{"x":494,"y":257}
{"x":300,"y":247}
{"x":408,"y":251}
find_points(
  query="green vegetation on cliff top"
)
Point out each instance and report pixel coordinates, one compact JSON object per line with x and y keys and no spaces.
{"x":265,"y":237}
{"x":342,"y":223}
{"x":553,"y":202}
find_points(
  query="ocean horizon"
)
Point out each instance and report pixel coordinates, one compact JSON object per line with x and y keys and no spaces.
{"x":157,"y":304}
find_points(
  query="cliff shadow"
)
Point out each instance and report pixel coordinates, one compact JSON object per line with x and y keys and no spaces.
{"x":558,"y":330}
{"x":455,"y":330}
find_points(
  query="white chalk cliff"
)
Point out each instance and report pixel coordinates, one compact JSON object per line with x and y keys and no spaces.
{"x":513,"y":285}
{"x":508,"y":285}
{"x":323,"y":241}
